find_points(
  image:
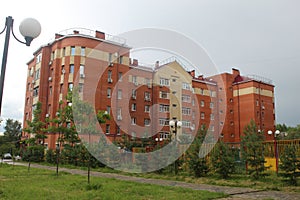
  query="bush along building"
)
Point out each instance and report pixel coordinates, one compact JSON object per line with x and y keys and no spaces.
{"x":141,"y":99}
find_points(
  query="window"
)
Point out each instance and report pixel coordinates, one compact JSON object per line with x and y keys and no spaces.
{"x":119,"y":114}
{"x":39,"y":58}
{"x":212,"y":128}
{"x":186,"y":124}
{"x":121,"y":59}
{"x":186,"y":86}
{"x":163,"y":95}
{"x":164,"y":82}
{"x":212,"y":117}
{"x":118,"y":130}
{"x":71,"y":69}
{"x":133,"y":107}
{"x":211,"y":105}
{"x":109,"y":75}
{"x":148,"y":82}
{"x":231,"y":100}
{"x":52,"y":55}
{"x":107,"y":129}
{"x":50,"y":90}
{"x":108,"y":93}
{"x":186,"y":111}
{"x":35,"y":91}
{"x":119,"y":94}
{"x":213,"y":93}
{"x":163,"y":122}
{"x":231,"y":111}
{"x":147,"y":108}
{"x":202,"y":103}
{"x":164,"y":108}
{"x":72,"y":51}
{"x":134,"y":79}
{"x":70,"y":86}
{"x":164,"y":135}
{"x":193,"y":114}
{"x":193,"y":102}
{"x":134,"y":94}
{"x":61,"y":88}
{"x":120,"y":76}
{"x":37,"y":74}
{"x":186,"y":98}
{"x":133,"y":121}
{"x":109,"y":58}
{"x":81,"y":70}
{"x":27,"y":100}
{"x":82,"y":51}
{"x":202,"y":115}
{"x":64,"y":51}
{"x":257,"y":102}
{"x":201,"y":91}
{"x":147,"y":122}
{"x":147,"y":96}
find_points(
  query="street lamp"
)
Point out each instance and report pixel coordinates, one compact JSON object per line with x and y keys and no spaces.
{"x":175,"y":124}
{"x":276,"y":134}
{"x":30,"y":29}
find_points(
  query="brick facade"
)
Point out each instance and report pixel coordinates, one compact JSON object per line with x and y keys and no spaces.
{"x":142,"y":99}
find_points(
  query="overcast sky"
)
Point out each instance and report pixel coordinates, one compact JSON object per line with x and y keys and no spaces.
{"x":255,"y":36}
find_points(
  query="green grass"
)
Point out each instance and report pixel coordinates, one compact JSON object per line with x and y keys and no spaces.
{"x":270,"y":182}
{"x":17,"y":183}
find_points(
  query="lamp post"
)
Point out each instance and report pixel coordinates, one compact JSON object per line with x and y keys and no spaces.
{"x":276,"y":134}
{"x":30,"y":29}
{"x":174,"y":125}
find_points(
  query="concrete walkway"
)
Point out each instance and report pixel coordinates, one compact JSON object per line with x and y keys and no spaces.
{"x":235,"y":193}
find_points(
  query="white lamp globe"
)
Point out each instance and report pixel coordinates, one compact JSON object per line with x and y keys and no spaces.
{"x":172,"y":123}
{"x":30,"y":28}
{"x":179,"y":124}
{"x":270,"y":132}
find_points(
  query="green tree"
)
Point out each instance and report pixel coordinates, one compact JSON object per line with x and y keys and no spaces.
{"x":290,"y":164}
{"x":13,"y":130}
{"x":36,"y":131}
{"x":10,"y":142}
{"x":253,"y":150}
{"x":84,"y":113}
{"x":222,"y":160}
{"x":198,"y":166}
{"x":36,"y":127}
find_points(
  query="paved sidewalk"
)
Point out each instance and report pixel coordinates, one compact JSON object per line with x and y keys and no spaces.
{"x":235,"y":193}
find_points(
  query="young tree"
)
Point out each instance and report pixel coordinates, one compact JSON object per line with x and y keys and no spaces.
{"x":198,"y":166}
{"x":84,"y":114}
{"x":222,"y":160}
{"x":35,"y":128}
{"x":62,"y":124}
{"x":253,"y":150}
{"x":290,"y":164}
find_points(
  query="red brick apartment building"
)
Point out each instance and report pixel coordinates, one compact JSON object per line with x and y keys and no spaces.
{"x":139,"y":98}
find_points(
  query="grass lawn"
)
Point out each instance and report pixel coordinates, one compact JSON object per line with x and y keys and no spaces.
{"x":17,"y":183}
{"x":270,"y":182}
